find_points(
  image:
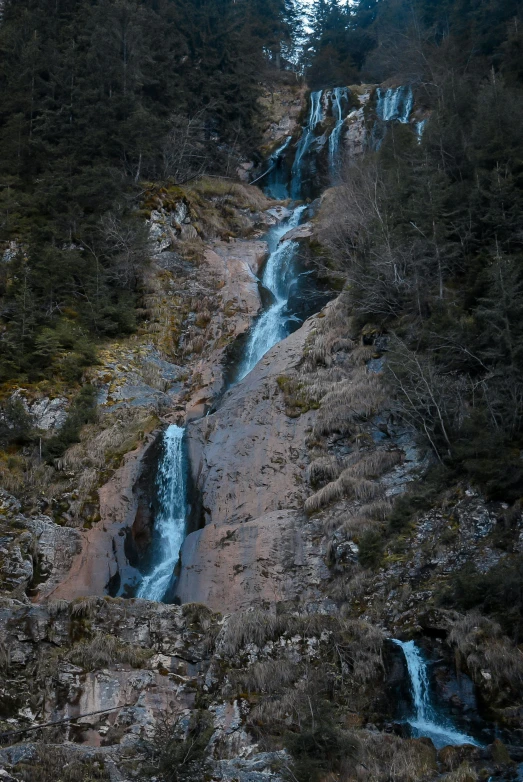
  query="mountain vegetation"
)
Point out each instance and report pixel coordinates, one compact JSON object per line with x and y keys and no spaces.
{"x":95,"y":99}
{"x":428,"y":233}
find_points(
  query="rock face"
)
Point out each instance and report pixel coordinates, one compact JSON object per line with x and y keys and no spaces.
{"x":272,"y":559}
{"x":102,"y":558}
{"x":35,"y":553}
{"x":246,"y":458}
{"x":355,"y":129}
{"x":235,"y":266}
{"x":248,"y":462}
{"x":103,"y":562}
{"x":304,"y":231}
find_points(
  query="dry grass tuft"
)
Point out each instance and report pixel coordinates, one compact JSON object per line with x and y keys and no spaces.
{"x":379,"y":510}
{"x":257,"y":627}
{"x":84,"y":607}
{"x":353,"y":400}
{"x":267,"y":677}
{"x":57,"y":607}
{"x":487,"y":652}
{"x":363,"y":643}
{"x":345,"y":486}
{"x":388,"y":758}
{"x":103,"y":650}
{"x":325,"y":468}
{"x":351,"y":481}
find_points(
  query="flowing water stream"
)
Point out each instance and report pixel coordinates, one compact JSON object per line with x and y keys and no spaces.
{"x":275,"y":178}
{"x":273,"y":324}
{"x":426,"y":721}
{"x":307,"y":137}
{"x":170,"y":521}
{"x":340,"y":96}
{"x":395,"y":104}
{"x":278,"y":277}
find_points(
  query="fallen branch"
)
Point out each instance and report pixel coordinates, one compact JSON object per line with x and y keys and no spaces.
{"x":4,"y":735}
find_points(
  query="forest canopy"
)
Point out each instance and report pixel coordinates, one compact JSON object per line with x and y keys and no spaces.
{"x":94,"y":95}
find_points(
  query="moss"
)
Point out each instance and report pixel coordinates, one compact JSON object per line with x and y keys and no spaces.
{"x":296,"y":397}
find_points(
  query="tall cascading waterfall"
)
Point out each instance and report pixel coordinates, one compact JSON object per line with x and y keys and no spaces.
{"x":307,"y":137}
{"x":170,"y":522}
{"x":340,"y":95}
{"x":395,"y":104}
{"x":426,"y":722}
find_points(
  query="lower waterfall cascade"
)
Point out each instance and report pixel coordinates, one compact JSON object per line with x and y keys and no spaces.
{"x":170,"y":522}
{"x":426,"y":722}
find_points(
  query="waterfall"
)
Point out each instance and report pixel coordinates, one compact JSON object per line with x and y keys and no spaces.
{"x":426,"y":722}
{"x":339,"y":94}
{"x":307,"y":137}
{"x":420,"y":128}
{"x":276,"y":181}
{"x":395,"y":104}
{"x":169,"y":526}
{"x":278,"y":277}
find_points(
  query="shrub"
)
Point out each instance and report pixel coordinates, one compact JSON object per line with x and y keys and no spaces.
{"x":498,"y":592}
{"x":320,"y":749}
{"x":16,"y":424}
{"x":371,"y":548}
{"x":482,"y":647}
{"x":81,"y":412}
{"x":55,"y":764}
{"x":177,"y":759}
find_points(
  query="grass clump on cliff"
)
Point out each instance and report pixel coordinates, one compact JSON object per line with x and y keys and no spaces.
{"x":102,"y":650}
{"x":56,"y":764}
{"x":296,"y":397}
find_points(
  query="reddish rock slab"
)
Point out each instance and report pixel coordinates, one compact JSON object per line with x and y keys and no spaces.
{"x":102,"y":554}
{"x":249,"y":458}
{"x":267,"y":560}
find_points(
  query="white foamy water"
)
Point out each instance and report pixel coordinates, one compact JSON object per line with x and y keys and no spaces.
{"x":278,"y":277}
{"x":395,"y":104}
{"x":169,"y":525}
{"x":426,"y":722}
{"x":307,"y":137}
{"x":339,"y":96}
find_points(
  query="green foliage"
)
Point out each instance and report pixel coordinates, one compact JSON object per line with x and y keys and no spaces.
{"x":420,"y":497}
{"x":371,"y":546}
{"x":16,"y":424}
{"x":319,"y":749}
{"x":95,"y":97}
{"x":81,"y":412}
{"x":498,"y":593}
{"x":435,"y":253}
